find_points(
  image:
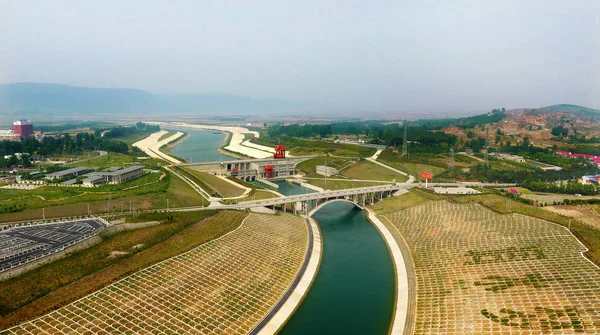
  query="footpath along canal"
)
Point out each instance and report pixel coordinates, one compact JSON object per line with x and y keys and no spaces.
{"x":354,"y":290}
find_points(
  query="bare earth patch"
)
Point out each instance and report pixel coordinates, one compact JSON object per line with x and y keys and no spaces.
{"x":584,"y":214}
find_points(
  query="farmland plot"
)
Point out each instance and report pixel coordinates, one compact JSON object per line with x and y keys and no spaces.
{"x":224,"y":286}
{"x":478,"y":272}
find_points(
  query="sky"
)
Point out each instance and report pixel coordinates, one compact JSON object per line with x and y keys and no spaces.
{"x":434,"y":57}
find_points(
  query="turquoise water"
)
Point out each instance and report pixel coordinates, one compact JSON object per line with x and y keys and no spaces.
{"x":354,"y":290}
{"x":201,"y":146}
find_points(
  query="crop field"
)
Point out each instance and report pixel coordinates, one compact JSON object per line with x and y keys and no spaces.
{"x":224,"y":286}
{"x":479,"y":272}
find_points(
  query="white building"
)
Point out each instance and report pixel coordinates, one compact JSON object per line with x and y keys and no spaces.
{"x":326,"y":171}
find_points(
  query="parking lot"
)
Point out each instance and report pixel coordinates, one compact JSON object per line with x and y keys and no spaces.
{"x":20,"y":245}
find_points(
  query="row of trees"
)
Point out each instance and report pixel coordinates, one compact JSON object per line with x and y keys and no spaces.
{"x":572,"y":187}
{"x":121,"y":131}
{"x":66,"y":144}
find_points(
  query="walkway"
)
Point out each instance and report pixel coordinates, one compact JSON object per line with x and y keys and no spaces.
{"x":402,"y":285}
{"x":411,"y":179}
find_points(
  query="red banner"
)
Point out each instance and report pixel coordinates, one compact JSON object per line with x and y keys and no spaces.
{"x":426,"y":175}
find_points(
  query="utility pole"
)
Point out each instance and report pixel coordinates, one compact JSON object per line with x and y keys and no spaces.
{"x":451,"y":165}
{"x":109,"y":199}
{"x":44,"y":213}
{"x":88,"y":206}
{"x":487,"y":148}
{"x":404,"y":142}
{"x":130,"y":208}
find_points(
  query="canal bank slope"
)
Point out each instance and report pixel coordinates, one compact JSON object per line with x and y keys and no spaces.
{"x":403,"y":288}
{"x":151,"y":145}
{"x":237,"y":137}
{"x":293,"y":298}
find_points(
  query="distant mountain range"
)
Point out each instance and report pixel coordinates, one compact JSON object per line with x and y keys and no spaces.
{"x":40,"y":99}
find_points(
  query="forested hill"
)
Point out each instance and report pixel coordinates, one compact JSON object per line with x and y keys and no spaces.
{"x":495,"y":115}
{"x":565,"y":108}
{"x":38,"y":99}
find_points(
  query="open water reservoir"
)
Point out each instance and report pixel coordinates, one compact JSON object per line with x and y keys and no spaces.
{"x":201,"y":146}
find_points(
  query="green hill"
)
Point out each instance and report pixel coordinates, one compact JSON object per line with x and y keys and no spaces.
{"x":566,"y":108}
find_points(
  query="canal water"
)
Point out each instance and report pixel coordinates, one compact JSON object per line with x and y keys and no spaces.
{"x":354,"y":290}
{"x":201,"y":146}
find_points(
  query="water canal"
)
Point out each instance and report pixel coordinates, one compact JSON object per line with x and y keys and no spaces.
{"x":354,"y":290}
{"x":201,"y":146}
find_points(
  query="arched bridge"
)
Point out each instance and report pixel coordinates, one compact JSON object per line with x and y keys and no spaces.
{"x":309,"y":203}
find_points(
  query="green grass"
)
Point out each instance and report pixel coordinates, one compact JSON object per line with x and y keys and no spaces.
{"x":310,"y":165}
{"x":63,"y":201}
{"x":224,"y":188}
{"x":244,"y":183}
{"x":305,"y":147}
{"x":337,"y":184}
{"x":116,"y":159}
{"x":53,"y":285}
{"x":371,"y":171}
{"x":253,"y":195}
{"x":394,"y":204}
{"x":132,"y":138}
{"x":408,"y":165}
{"x":167,"y":135}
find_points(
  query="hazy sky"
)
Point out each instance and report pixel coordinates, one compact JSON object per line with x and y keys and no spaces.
{"x":418,"y":56}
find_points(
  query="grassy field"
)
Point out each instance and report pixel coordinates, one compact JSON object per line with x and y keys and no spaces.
{"x":116,"y":159}
{"x":222,"y":187}
{"x":167,"y":135}
{"x":244,"y":183}
{"x":408,"y":166}
{"x":310,"y":166}
{"x":394,"y":204}
{"x":253,"y":195}
{"x":306,"y":147}
{"x":61,"y":202}
{"x":371,"y":171}
{"x":43,"y":289}
{"x":132,"y":138}
{"x":337,"y":184}
{"x":225,"y":286}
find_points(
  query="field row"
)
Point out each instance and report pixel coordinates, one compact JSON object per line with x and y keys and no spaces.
{"x":224,"y":286}
{"x":479,"y":272}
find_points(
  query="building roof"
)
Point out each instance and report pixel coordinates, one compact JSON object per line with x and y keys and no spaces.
{"x":125,"y":170}
{"x":67,"y":172}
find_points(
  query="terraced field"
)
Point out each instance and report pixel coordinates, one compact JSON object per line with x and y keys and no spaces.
{"x":479,"y":272}
{"x":225,"y":286}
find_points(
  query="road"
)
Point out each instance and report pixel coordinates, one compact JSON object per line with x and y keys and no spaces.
{"x":411,"y":179}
